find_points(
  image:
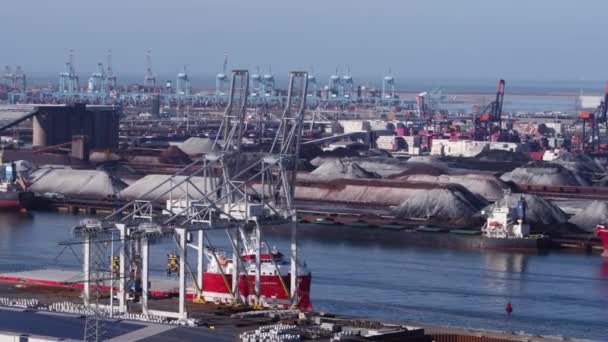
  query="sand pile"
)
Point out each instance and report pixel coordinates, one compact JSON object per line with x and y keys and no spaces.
{"x":539,"y":210}
{"x":101,"y":157}
{"x":540,"y":173}
{"x":341,"y":169}
{"x":592,"y":215}
{"x":76,"y":183}
{"x":196,"y":146}
{"x":360,"y":191}
{"x":487,"y":186}
{"x":503,"y":156}
{"x":453,"y":204}
{"x":141,"y":188}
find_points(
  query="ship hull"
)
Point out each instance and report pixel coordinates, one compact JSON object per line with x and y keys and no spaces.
{"x":603,"y":235}
{"x":405,"y":237}
{"x":273,"y":294}
{"x":15,"y":200}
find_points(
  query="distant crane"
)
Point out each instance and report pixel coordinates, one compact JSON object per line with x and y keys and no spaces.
{"x":68,"y":80}
{"x":348,"y":85}
{"x":111,"y":80}
{"x":97,"y":80}
{"x":488,"y":120}
{"x":19,"y":80}
{"x":15,"y":81}
{"x":182,"y":85}
{"x":312,"y":81}
{"x":221,"y":79}
{"x":149,"y":78}
{"x":268,"y":83}
{"x":388,"y":86}
{"x":8,"y":76}
{"x":334,"y":86}
{"x":595,"y":119}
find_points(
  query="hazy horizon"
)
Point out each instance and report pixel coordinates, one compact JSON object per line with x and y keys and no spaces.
{"x":519,"y":40}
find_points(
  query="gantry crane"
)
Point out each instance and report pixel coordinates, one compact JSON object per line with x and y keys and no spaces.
{"x":488,"y":120}
{"x":590,"y":142}
{"x":239,"y":192}
{"x":149,"y":78}
{"x":111,"y":80}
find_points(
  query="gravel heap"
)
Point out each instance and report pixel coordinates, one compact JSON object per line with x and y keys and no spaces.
{"x":454,"y":204}
{"x":340,"y":169}
{"x":196,"y":146}
{"x":76,"y":183}
{"x":592,"y":215}
{"x":144,"y":185}
{"x":543,"y":173}
{"x":487,"y":186}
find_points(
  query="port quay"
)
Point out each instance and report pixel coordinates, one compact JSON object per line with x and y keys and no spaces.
{"x":220,"y":193}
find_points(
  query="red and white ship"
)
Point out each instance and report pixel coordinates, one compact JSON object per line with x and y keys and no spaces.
{"x":275,"y":279}
{"x":601,"y":230}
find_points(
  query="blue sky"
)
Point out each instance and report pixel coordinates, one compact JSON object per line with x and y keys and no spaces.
{"x":523,"y":39}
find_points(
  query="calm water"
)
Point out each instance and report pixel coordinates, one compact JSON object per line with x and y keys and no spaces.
{"x":557,"y":294}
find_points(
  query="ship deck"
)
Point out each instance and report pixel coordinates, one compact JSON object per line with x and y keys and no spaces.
{"x":74,"y":279}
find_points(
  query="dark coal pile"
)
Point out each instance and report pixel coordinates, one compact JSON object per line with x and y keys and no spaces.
{"x":582,"y":166}
{"x":383,"y":166}
{"x":375,"y":153}
{"x":418,"y":168}
{"x":174,"y":155}
{"x":336,"y":169}
{"x":487,"y":186}
{"x":593,"y":214}
{"x":543,"y":173}
{"x":503,"y":156}
{"x":451,"y":204}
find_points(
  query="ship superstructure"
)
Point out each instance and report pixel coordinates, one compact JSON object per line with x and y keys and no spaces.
{"x":505,"y":221}
{"x":275,"y":274}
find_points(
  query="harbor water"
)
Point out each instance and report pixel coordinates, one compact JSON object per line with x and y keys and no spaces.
{"x":553,"y":294}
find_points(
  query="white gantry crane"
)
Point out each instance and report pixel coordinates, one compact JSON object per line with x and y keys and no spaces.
{"x":226,"y":189}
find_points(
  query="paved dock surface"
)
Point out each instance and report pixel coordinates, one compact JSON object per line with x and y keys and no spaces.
{"x":65,"y":326}
{"x":59,"y":326}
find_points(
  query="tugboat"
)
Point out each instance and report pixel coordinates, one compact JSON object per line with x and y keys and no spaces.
{"x":601,"y":230}
{"x":275,"y":278}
